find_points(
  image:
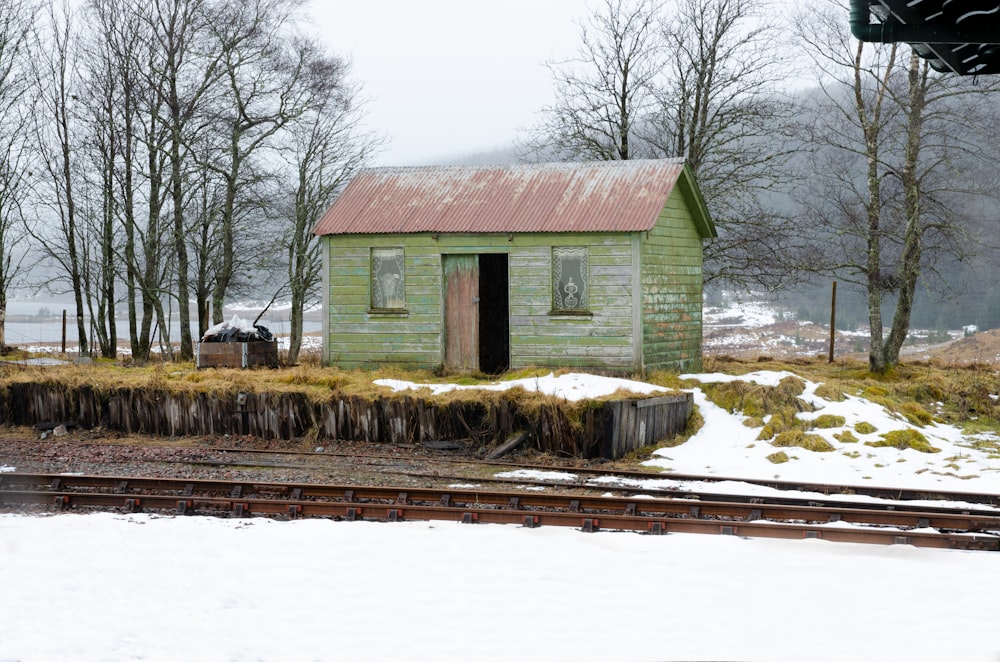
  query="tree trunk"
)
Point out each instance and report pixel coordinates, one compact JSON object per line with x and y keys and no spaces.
{"x":225,"y":273}
{"x":180,"y":245}
{"x":3,"y":322}
{"x":909,"y":265}
{"x":295,"y":331}
{"x":148,"y":277}
{"x":870,"y":122}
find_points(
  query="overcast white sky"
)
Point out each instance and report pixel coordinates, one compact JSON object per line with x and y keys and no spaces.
{"x":449,"y":78}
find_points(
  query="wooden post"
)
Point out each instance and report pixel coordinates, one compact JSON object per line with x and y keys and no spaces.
{"x":833,"y":319}
{"x":64,"y":332}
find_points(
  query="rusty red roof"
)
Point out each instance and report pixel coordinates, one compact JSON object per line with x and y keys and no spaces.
{"x":605,"y":196}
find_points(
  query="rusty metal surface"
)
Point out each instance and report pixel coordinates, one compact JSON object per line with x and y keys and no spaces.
{"x":243,"y":499}
{"x":818,"y":494}
{"x":609,"y":196}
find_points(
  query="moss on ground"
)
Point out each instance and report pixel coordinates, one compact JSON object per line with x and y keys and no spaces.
{"x":865,"y":428}
{"x":845,"y":437}
{"x":827,"y":421}
{"x":832,"y":391}
{"x":800,"y":439}
{"x":903,"y":439}
{"x":916,"y":414}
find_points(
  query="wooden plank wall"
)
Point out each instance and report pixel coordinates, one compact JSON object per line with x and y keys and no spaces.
{"x":633,"y":424}
{"x":602,"y":341}
{"x":610,"y":430}
{"x":671,"y":276}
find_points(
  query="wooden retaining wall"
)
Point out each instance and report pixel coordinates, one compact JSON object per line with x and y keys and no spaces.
{"x":631,"y":424}
{"x":609,"y":430}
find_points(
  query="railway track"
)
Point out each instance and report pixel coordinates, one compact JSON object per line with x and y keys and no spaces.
{"x":389,"y":463}
{"x":939,"y":527}
{"x":829,"y":491}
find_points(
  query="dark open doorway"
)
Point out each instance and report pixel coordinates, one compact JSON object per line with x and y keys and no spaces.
{"x":494,"y":313}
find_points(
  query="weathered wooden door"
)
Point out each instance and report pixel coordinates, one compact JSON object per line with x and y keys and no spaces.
{"x":461,"y":312}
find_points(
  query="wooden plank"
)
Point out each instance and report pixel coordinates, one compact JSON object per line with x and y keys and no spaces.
{"x":614,"y":429}
{"x":461,"y":312}
{"x":661,"y":400}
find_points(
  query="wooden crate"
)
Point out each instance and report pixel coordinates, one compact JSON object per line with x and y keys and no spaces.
{"x":257,"y":354}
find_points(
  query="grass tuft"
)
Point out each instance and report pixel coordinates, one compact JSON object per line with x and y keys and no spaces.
{"x":800,"y":439}
{"x":903,"y":439}
{"x":865,"y":428}
{"x":845,"y":437}
{"x":827,"y":421}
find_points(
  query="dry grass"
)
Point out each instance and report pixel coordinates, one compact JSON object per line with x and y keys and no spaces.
{"x":319,"y":384}
{"x":903,"y":439}
{"x":920,"y":392}
{"x":828,"y":421}
{"x":799,"y":439}
{"x":778,"y":458}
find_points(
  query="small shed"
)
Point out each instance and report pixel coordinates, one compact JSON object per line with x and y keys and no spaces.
{"x":593,"y":266}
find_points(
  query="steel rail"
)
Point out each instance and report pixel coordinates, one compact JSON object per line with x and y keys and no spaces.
{"x":390,"y":503}
{"x":825,"y":489}
{"x":895,"y":493}
{"x":892,"y":505}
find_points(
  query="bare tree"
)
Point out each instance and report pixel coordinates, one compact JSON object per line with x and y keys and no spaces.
{"x":15,"y":156}
{"x":160,"y":130}
{"x":893,"y":134}
{"x":721,"y":107}
{"x":183,"y":73}
{"x":57,"y":80}
{"x":606,"y":91}
{"x":122,"y":41}
{"x":101,"y":152}
{"x":263,"y":70}
{"x":698,"y":79}
{"x":325,"y":148}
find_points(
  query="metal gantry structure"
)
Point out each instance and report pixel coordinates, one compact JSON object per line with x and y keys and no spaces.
{"x":958,"y":36}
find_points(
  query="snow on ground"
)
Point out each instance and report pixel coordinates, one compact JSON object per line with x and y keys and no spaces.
{"x":740,"y":314}
{"x":128,"y":587}
{"x":113,"y":587}
{"x":726,"y":447}
{"x":573,"y":386}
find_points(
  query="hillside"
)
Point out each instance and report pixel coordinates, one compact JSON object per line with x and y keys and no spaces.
{"x":750,"y":330}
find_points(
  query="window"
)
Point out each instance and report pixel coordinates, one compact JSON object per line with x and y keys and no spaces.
{"x":570,"y":279}
{"x":388,"y":292}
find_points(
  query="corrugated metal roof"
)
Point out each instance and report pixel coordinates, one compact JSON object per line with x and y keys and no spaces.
{"x":606,"y":196}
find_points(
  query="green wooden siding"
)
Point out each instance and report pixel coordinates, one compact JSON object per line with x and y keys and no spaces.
{"x":600,"y":341}
{"x":669,"y":273}
{"x":671,"y":280}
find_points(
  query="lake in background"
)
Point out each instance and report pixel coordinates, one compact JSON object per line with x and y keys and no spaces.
{"x":46,"y":327}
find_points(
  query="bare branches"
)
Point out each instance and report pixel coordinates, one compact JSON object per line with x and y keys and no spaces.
{"x":893,"y":134}
{"x":15,"y":158}
{"x":325,"y":147}
{"x":608,"y":88}
{"x":686,"y":78}
{"x":157,"y":135}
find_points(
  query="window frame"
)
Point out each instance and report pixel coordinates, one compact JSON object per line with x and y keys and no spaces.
{"x":376,"y":290}
{"x":581,"y":293}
